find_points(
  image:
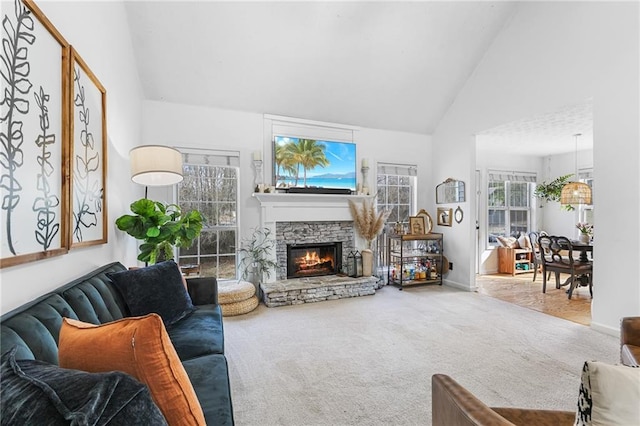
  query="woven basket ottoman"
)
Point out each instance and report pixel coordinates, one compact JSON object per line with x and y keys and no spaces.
{"x":236,"y":297}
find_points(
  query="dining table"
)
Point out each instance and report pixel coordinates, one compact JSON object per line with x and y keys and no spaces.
{"x":584,"y":249}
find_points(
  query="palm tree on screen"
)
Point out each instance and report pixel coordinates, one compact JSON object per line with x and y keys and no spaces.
{"x":309,"y":154}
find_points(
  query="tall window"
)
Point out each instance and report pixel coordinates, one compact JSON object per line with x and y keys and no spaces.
{"x":586,"y":211}
{"x":509,"y":204}
{"x":397,"y":190}
{"x":210,"y":185}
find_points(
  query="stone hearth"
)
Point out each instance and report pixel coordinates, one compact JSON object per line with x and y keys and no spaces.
{"x":316,"y":289}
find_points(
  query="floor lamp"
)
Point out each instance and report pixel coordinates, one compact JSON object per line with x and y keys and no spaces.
{"x":155,"y":165}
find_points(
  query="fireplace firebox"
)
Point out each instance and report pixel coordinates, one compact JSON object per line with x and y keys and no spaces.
{"x":314,"y":259}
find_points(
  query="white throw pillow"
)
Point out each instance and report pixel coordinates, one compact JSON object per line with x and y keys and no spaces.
{"x":609,"y":395}
{"x":524,"y":242}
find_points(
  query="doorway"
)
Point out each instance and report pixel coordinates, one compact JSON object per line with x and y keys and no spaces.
{"x":543,"y":146}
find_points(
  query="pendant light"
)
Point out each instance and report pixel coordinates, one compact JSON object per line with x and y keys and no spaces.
{"x":576,"y":192}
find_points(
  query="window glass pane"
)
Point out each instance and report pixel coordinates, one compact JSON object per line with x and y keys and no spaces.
{"x":404,"y":195}
{"x":519,"y":194}
{"x":519,"y":222}
{"x":227,"y":267}
{"x":496,"y":194}
{"x":393,"y":195}
{"x":403,"y":213}
{"x":209,"y":242}
{"x":497,"y":224}
{"x":227,"y":242}
{"x":209,"y":266}
{"x":227,"y":213}
{"x":392,"y":180}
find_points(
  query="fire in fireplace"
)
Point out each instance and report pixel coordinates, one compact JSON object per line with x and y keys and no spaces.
{"x":311,"y":260}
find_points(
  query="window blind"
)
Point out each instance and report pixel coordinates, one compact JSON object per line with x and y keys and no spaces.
{"x":397,"y":169}
{"x":511,"y":176}
{"x":585,"y":174}
{"x":210,"y":157}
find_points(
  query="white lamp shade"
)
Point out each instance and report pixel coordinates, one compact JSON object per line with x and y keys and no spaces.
{"x":155,"y":165}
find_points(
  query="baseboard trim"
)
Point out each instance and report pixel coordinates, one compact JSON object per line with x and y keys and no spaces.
{"x":611,"y":331}
{"x":459,"y":286}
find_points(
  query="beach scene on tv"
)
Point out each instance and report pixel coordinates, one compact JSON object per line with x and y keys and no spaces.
{"x":310,"y":163}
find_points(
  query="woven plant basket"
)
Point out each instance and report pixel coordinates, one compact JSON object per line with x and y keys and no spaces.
{"x":239,"y":308}
{"x":235,"y":291}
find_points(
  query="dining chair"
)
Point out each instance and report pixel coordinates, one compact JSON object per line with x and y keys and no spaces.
{"x":535,"y":247}
{"x":556,"y":254}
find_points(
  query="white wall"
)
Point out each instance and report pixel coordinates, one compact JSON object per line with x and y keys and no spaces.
{"x":548,"y":56}
{"x":198,"y":127}
{"x":99,"y":32}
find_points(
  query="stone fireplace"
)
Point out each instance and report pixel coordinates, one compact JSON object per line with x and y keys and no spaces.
{"x":310,"y":234}
{"x":300,"y":221}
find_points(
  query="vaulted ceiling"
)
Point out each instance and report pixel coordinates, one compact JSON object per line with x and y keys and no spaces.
{"x":385,"y":65}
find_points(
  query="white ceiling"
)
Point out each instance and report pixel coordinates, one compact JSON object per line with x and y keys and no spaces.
{"x":384,"y":65}
{"x":544,"y":134}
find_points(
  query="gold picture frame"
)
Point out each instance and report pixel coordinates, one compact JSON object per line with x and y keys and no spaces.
{"x":416,"y":225}
{"x":88,"y":156}
{"x":35,"y":136}
{"x":445,"y":216}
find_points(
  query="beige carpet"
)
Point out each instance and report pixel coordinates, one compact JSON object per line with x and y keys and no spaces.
{"x":369,"y":360}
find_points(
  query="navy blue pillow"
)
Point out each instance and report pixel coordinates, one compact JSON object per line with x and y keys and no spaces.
{"x":36,"y":392}
{"x":155,"y":289}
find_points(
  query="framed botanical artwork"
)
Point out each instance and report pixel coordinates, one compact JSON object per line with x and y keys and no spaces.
{"x":416,"y":225}
{"x":445,"y":216}
{"x":88,"y":105}
{"x":34,"y":117}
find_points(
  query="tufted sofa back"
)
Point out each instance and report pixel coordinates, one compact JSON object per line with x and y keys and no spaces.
{"x":34,"y":327}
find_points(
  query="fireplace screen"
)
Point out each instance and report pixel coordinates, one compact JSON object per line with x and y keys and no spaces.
{"x":310,"y":260}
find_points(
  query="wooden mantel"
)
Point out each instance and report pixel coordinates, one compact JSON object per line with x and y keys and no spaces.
{"x":283,"y":207}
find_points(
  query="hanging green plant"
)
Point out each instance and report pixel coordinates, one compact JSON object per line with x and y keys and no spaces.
{"x":553,"y":190}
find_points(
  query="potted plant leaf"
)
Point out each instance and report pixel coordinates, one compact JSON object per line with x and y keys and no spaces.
{"x":255,"y":256}
{"x":161,"y":227}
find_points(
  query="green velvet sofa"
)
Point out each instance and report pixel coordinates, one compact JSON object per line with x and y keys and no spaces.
{"x":33,"y":330}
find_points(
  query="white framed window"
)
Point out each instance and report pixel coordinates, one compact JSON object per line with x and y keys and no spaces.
{"x":585,"y":212}
{"x":210,"y":185}
{"x":509,"y":206}
{"x":397,"y":190}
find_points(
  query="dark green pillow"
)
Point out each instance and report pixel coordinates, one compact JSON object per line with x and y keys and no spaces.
{"x":156,"y":289}
{"x":35,"y":392}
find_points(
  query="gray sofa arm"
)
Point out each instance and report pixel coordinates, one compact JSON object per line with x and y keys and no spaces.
{"x":203,"y":291}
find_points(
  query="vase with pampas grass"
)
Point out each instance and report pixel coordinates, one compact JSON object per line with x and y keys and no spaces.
{"x":368,"y":224}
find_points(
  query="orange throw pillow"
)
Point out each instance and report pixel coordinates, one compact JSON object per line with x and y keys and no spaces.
{"x":139,"y":346}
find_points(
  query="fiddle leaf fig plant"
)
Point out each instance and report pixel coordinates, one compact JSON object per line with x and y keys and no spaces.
{"x":161,"y":227}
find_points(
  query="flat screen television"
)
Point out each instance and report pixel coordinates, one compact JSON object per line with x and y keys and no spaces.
{"x":311,"y":163}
